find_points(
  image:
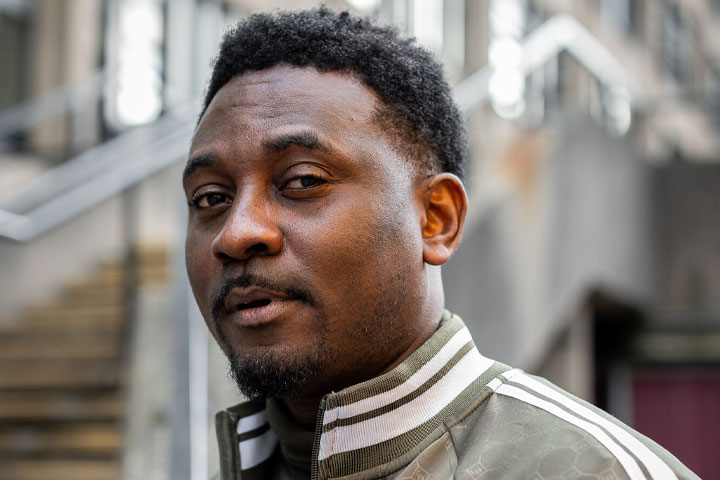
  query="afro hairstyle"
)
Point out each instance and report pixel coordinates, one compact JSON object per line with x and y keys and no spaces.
{"x":418,"y":105}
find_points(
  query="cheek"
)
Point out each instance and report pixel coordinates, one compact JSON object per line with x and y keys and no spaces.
{"x":353,"y":247}
{"x":199,"y":269}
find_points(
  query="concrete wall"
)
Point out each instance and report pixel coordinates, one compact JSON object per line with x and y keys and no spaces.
{"x":687,"y":198}
{"x":66,"y":49}
{"x":575,"y":217}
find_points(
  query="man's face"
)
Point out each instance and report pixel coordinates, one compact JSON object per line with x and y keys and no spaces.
{"x":304,"y":245}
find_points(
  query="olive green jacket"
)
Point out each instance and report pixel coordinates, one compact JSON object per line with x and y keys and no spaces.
{"x":448,"y":412}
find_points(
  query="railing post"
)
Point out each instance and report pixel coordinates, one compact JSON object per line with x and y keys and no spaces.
{"x":188,"y":369}
{"x":130,"y":273}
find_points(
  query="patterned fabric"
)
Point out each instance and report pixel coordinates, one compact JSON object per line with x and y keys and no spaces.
{"x":448,"y":412}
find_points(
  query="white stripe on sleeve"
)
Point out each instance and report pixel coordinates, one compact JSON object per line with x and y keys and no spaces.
{"x":628,"y":463}
{"x":656,"y":467}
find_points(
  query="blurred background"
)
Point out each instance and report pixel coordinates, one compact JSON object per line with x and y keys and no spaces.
{"x":591,"y":253}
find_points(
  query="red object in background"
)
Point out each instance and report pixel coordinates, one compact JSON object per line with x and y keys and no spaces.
{"x":679,"y":408}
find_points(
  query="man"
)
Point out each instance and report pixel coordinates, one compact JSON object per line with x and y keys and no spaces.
{"x":325,"y":193}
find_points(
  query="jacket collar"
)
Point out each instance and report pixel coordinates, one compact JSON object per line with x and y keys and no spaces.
{"x":377,"y":421}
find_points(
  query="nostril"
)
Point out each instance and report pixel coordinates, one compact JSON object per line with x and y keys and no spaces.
{"x":241,"y":242}
{"x":258,"y":248}
{"x":223,"y":257}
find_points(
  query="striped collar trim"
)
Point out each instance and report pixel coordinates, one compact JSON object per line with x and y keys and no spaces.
{"x":246,"y":442}
{"x":256,"y":441}
{"x":380,"y":418}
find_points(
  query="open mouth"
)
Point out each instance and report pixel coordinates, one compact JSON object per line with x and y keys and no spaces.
{"x":254,"y":304}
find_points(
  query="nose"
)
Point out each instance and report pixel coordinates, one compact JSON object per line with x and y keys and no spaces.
{"x":249,"y":230}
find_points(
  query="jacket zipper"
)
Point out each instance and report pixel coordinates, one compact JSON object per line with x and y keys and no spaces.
{"x":314,"y":475}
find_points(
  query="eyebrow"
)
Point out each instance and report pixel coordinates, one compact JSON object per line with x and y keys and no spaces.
{"x":307,"y":140}
{"x":202,"y":160}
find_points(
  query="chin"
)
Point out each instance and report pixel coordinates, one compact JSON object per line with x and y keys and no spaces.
{"x":273,"y":374}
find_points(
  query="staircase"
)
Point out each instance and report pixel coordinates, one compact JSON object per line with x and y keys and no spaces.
{"x":62,"y":378}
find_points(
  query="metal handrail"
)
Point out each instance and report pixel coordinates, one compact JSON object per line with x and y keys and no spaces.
{"x":35,"y":110}
{"x":110,"y":168}
{"x":84,"y":166}
{"x":561,"y":33}
{"x":95,"y":176}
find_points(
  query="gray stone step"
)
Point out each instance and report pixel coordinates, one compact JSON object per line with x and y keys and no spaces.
{"x":48,"y":469}
{"x":58,"y":407}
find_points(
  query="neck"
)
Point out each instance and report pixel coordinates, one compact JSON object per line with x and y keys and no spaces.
{"x":304,"y":406}
{"x":304,"y":410}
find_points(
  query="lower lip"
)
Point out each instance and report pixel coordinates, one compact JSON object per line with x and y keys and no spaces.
{"x":262,"y":315}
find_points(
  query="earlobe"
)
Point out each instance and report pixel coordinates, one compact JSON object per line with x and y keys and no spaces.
{"x":445,"y":203}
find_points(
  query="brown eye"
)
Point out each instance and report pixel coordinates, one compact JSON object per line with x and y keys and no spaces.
{"x":306,"y":181}
{"x":210,"y":200}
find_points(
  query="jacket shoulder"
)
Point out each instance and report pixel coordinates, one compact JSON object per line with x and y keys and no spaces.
{"x":529,"y":428}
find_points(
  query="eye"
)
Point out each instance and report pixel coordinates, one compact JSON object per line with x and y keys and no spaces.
{"x":306,"y":181}
{"x":209,"y":200}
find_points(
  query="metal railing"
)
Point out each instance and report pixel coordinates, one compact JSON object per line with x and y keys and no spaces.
{"x":96,"y":175}
{"x":117,"y":165}
{"x":560,"y":33}
{"x":66,"y":99}
{"x":114,"y":166}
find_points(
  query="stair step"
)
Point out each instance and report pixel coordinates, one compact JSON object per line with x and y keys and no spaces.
{"x":116,"y":276}
{"x":39,"y":346}
{"x":146,"y":256}
{"x":102,"y":293}
{"x":27,"y":406}
{"x":95,"y":440}
{"x":50,"y":374}
{"x":90,"y":296}
{"x":64,"y":311}
{"x":62,"y":401}
{"x":59,"y":469}
{"x":160,"y":266}
{"x":70,"y":310}
{"x":69,"y":322}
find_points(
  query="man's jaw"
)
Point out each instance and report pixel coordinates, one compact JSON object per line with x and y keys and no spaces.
{"x":274,"y":374}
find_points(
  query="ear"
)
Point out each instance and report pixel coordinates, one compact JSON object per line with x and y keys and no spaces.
{"x":445,"y":205}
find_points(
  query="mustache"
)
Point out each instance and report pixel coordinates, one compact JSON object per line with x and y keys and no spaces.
{"x":250,"y":280}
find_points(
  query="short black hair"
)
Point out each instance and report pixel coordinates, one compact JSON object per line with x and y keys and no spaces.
{"x":418,"y":103}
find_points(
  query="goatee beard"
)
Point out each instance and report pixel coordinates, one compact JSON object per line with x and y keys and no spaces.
{"x":270,"y":375}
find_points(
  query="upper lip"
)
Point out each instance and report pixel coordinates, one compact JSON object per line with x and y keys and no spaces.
{"x":240,"y":296}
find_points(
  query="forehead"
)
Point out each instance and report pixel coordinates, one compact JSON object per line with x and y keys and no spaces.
{"x":334,"y":103}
